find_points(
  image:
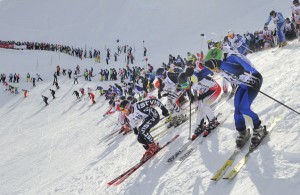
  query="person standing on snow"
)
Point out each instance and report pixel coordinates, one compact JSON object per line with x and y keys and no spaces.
{"x":25,"y":92}
{"x":239,"y":71}
{"x":237,"y":43}
{"x":296,"y":14}
{"x":279,"y":21}
{"x":75,"y":79}
{"x":69,"y":73}
{"x":55,"y":77}
{"x":142,"y":117}
{"x":81,"y":91}
{"x":39,"y":77}
{"x":114,"y":106}
{"x":76,"y":93}
{"x":28,"y":78}
{"x":167,"y":85}
{"x":33,"y":81}
{"x":52,"y":93}
{"x":58,"y":70}
{"x":45,"y":99}
{"x":208,"y":91}
{"x":56,"y":85}
{"x":92,"y":96}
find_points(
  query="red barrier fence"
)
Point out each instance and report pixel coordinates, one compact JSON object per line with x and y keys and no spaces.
{"x":7,"y":46}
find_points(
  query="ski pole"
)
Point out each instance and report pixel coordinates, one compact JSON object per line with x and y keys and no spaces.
{"x":279,"y":102}
{"x":270,"y":97}
{"x":190,"y":122}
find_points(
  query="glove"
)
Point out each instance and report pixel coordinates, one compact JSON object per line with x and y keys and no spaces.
{"x":192,"y":99}
{"x":165,"y":94}
{"x":165,"y":112}
{"x":135,"y":130}
{"x":159,"y":96}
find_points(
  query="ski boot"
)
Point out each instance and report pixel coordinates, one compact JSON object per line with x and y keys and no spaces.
{"x":211,"y":125}
{"x":152,"y":148}
{"x":242,"y":138}
{"x":169,"y":119}
{"x":122,"y":129}
{"x":126,"y":130}
{"x":258,"y":135}
{"x":198,"y":131}
{"x":283,"y":44}
{"x":180,"y":119}
{"x":172,"y":122}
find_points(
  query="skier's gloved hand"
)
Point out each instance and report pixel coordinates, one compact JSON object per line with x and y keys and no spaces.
{"x":192,"y":99}
{"x":135,"y":130}
{"x":165,"y":94}
{"x":165,"y":112}
{"x":159,"y":96}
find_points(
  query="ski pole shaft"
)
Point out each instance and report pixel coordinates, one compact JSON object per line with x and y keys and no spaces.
{"x":279,"y":102}
{"x":274,"y":99}
{"x":190,"y":122}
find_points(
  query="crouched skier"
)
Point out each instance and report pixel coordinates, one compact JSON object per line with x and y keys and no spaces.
{"x":208,"y":91}
{"x":142,"y":117}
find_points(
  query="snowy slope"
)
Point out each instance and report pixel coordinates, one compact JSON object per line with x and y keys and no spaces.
{"x":55,"y":150}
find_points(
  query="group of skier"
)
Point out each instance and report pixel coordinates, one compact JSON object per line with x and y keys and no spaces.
{"x":182,"y":81}
{"x":197,"y":82}
{"x":194,"y":79}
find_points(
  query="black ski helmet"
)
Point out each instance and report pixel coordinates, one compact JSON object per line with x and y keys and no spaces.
{"x":131,"y":99}
{"x":122,"y":97}
{"x":182,"y":78}
{"x":272,"y":13}
{"x":212,"y":63}
{"x":160,"y":72}
{"x":124,"y":104}
{"x":189,"y":71}
{"x":111,"y":102}
{"x":295,"y":2}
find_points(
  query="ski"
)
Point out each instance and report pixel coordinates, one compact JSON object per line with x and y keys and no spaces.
{"x":183,"y":148}
{"x":166,"y":131}
{"x":203,"y":138}
{"x":219,"y":174}
{"x":117,"y":137}
{"x":226,"y":165}
{"x":252,"y":148}
{"x":110,"y":135}
{"x":118,"y":180}
{"x":166,"y":121}
{"x":179,"y":151}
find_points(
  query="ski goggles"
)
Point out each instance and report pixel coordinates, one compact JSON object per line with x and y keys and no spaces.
{"x":123,"y":110}
{"x":126,"y":109}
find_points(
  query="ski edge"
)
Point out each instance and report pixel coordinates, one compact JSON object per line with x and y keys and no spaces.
{"x":118,"y":180}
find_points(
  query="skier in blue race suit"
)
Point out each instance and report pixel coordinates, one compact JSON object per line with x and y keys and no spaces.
{"x":239,"y":71}
{"x":279,"y":21}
